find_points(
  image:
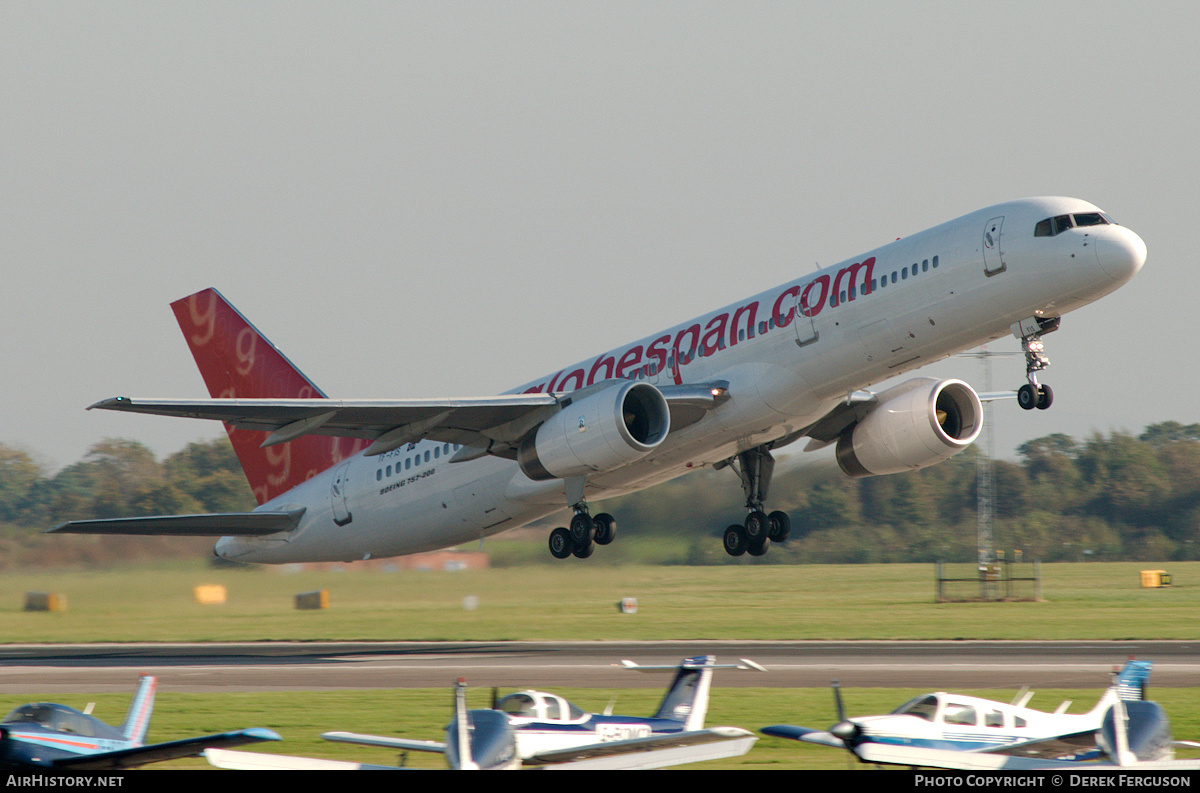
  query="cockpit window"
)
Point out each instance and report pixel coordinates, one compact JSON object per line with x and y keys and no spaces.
{"x":53,"y":717}
{"x":923,"y":707}
{"x":519,"y":705}
{"x":1090,"y":219}
{"x":1051,"y":226}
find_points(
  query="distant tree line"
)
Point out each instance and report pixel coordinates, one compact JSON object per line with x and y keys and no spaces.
{"x":116,"y":478}
{"x":1114,"y":497}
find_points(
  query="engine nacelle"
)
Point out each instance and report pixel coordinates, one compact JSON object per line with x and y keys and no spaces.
{"x":916,"y":424}
{"x":598,"y":432}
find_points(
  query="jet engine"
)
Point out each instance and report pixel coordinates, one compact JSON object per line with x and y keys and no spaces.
{"x":916,"y":424}
{"x":597,"y":432}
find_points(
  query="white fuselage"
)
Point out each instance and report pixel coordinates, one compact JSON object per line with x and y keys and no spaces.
{"x":963,"y":723}
{"x":789,"y":354}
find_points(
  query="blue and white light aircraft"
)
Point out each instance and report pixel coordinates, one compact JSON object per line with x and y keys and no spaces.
{"x":549,"y":729}
{"x":354,"y":479}
{"x":47,"y":735}
{"x":492,"y":739}
{"x":955,"y":731}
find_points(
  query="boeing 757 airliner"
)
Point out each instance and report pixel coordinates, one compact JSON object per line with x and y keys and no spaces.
{"x":357,"y":479}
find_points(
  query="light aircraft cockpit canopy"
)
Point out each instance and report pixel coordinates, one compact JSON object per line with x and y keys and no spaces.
{"x":59,"y":718}
{"x":539,"y":706}
{"x":924,"y":707}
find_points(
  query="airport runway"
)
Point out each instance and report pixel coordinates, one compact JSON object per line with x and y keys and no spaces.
{"x":287,"y":666}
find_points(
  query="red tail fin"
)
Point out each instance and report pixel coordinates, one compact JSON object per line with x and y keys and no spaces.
{"x":238,"y":361}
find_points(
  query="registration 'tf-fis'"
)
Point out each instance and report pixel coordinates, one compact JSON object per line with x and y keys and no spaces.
{"x":354,"y":479}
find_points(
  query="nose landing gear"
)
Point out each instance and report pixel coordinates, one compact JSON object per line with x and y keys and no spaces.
{"x":1030,"y":331}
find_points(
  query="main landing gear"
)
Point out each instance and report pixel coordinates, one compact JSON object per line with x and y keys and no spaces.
{"x":754,"y":467}
{"x":1032,"y":394}
{"x":583,"y":535}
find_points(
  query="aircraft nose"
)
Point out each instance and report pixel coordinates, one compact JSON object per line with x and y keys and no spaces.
{"x":1120,"y":252}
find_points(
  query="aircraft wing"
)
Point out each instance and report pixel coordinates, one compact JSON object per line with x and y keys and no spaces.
{"x":992,"y":761}
{"x":158,"y":752}
{"x":253,"y":761}
{"x":657,"y":751}
{"x":216,"y":524}
{"x":408,"y":744}
{"x":473,"y":422}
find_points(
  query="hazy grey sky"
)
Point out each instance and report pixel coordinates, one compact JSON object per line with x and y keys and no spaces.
{"x":420,"y":199}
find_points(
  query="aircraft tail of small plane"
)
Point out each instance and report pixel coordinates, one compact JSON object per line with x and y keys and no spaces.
{"x":1129,"y":686}
{"x":137,"y":719}
{"x":236,"y":360}
{"x":687,"y":698}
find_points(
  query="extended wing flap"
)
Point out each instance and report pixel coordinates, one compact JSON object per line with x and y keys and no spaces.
{"x":171,"y":750}
{"x":216,"y":524}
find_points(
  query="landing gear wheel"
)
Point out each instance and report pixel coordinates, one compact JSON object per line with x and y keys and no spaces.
{"x":757,"y":526}
{"x":1045,"y":397}
{"x":582,"y":529}
{"x":758,"y":549}
{"x":560,"y":543}
{"x":781,"y":526}
{"x":584,"y":551}
{"x":1027,"y":398}
{"x":606,"y":528}
{"x":736,"y":541}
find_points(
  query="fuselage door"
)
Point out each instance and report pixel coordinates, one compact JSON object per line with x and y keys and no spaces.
{"x":806,"y":326}
{"x":993,"y":253}
{"x":339,"y":497}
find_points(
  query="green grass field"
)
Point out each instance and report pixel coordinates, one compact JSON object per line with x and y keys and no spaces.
{"x":300,"y":717}
{"x":577,"y":601}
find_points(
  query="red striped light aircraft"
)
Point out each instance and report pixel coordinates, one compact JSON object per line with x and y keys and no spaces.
{"x":46,"y":735}
{"x":339,"y":480}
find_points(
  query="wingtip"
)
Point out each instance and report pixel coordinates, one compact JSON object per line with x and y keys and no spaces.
{"x":111,"y":403}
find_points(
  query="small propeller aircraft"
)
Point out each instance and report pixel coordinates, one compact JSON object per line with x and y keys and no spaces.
{"x":48,"y":735}
{"x":943,"y":730}
{"x":546,"y":725}
{"x":491,"y":743}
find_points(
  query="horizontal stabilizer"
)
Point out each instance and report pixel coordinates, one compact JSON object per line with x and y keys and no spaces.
{"x":215,"y":524}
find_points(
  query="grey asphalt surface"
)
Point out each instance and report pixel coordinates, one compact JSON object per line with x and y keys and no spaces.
{"x":289,"y":666}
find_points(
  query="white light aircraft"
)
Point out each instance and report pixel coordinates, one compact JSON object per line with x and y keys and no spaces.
{"x":549,"y":729}
{"x":339,"y":480}
{"x":492,"y":742}
{"x":954,"y":731}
